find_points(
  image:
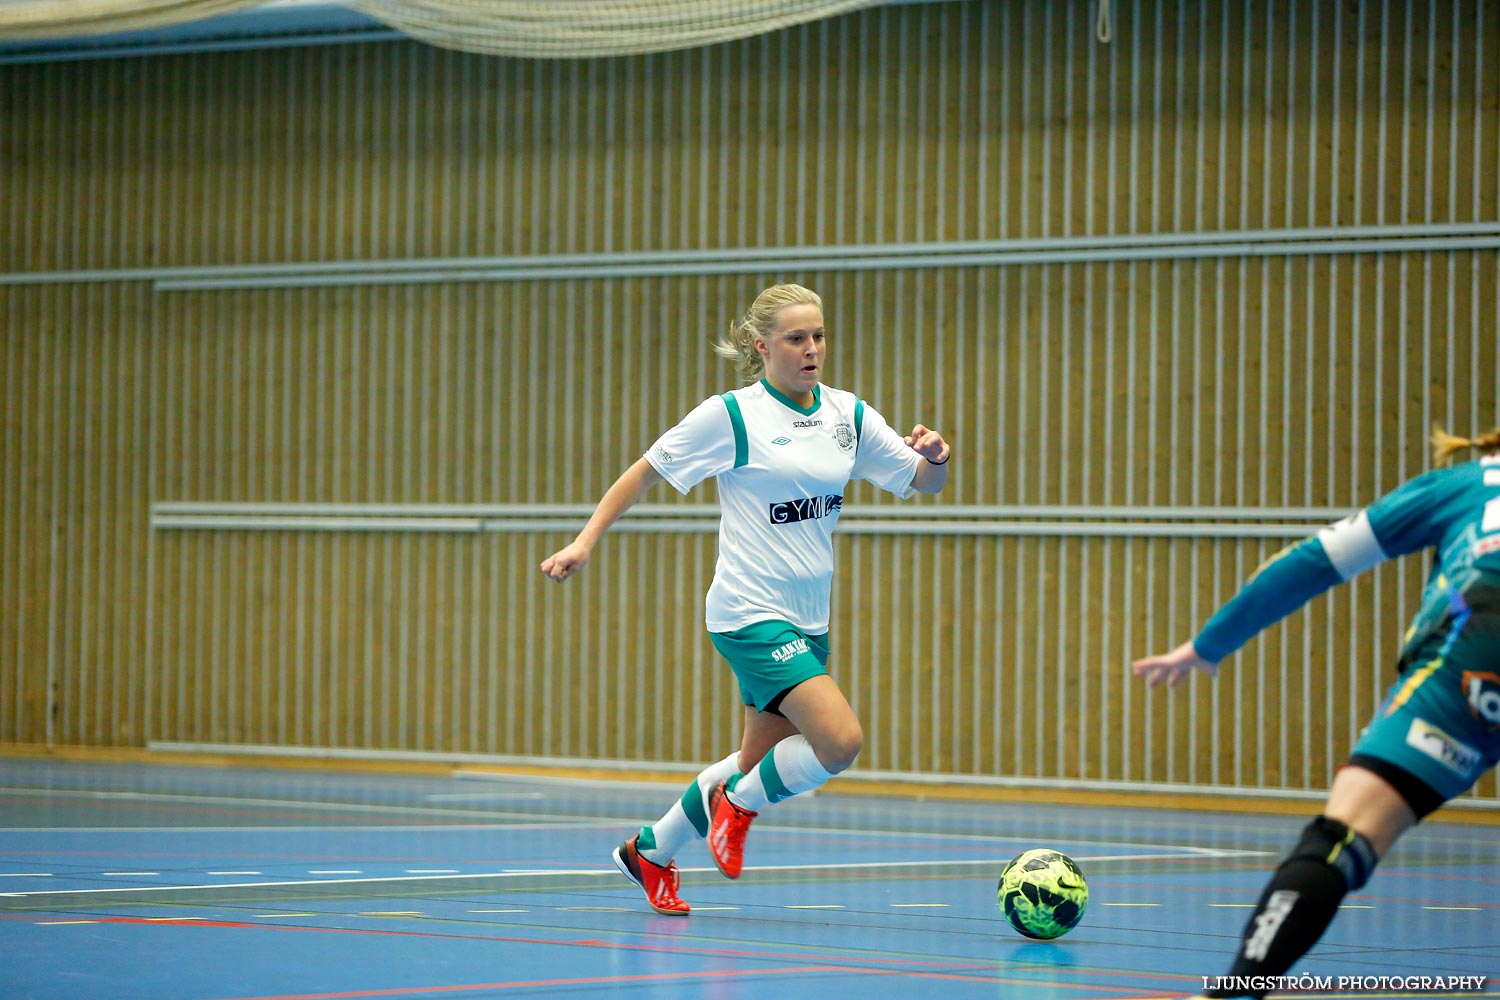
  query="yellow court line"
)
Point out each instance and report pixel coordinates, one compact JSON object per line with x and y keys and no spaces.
{"x":1453,"y":908}
{"x":54,"y":923}
{"x":599,"y":909}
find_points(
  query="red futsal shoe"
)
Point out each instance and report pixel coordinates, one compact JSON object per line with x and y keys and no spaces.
{"x":658,"y":882}
{"x":727,"y":826}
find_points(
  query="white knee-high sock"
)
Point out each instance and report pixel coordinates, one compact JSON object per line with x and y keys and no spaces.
{"x":688,"y":818}
{"x":791,"y":767}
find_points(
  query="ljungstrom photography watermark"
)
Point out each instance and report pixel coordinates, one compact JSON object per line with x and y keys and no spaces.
{"x":1343,"y":984}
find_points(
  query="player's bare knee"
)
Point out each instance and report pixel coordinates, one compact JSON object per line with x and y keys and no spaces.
{"x":837,"y":752}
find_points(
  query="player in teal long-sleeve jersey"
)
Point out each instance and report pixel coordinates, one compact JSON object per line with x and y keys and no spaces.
{"x":1438,"y":729}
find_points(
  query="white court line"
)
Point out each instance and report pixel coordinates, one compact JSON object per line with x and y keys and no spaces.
{"x":595,"y":873}
{"x":481,"y":796}
{"x":592,"y":824}
{"x":229,"y":800}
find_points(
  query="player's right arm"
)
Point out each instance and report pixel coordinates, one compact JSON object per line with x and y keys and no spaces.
{"x":624,"y":494}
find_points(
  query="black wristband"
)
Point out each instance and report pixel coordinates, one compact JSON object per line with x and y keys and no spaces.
{"x":943,"y":462}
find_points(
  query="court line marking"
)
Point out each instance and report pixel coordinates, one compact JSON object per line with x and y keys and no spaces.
{"x":594,"y":873}
{"x":320,"y":828}
{"x":224,"y":801}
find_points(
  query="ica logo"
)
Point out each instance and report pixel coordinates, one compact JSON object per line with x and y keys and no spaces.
{"x":1484,"y":695}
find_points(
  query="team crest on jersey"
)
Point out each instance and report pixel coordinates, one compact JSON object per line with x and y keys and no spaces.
{"x":843,"y":436}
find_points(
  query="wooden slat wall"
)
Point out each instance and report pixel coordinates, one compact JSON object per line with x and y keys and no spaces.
{"x":1289,"y":380}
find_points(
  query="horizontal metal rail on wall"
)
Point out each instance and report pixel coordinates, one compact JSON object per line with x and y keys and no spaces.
{"x":1435,"y":238}
{"x":855,"y":774}
{"x":970,"y":520}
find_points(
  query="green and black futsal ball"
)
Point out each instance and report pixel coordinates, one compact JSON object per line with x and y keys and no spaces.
{"x":1043,"y":893}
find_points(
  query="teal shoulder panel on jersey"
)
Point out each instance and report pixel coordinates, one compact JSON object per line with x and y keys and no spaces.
{"x":859,"y":420}
{"x":737,"y":421}
{"x":1417,"y":514}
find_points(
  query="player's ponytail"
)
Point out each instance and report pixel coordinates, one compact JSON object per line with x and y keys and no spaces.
{"x":1445,"y":445}
{"x":738,"y":344}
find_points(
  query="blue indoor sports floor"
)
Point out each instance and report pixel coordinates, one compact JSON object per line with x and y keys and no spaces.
{"x":167,"y":882}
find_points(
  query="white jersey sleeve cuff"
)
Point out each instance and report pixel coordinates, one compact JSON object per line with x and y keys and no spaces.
{"x":1351,"y":545}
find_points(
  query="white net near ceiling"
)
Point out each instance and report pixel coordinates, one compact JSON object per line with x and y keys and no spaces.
{"x":542,"y":29}
{"x":44,"y":19}
{"x":581,"y":28}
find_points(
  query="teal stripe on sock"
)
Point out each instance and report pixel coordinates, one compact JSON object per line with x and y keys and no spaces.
{"x":692,"y":804}
{"x":647,"y":840}
{"x":771,"y":780}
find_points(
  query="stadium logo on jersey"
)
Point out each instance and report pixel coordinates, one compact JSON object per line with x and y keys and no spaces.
{"x":1455,"y":755}
{"x":815,"y":422}
{"x":806,"y":509}
{"x":662,"y":453}
{"x":843,"y":436}
{"x":782,"y":440}
{"x":794,"y":648}
{"x":1483,"y":690}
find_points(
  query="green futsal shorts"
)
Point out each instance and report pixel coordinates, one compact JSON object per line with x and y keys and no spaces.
{"x":770,"y":658}
{"x":1440,"y":722}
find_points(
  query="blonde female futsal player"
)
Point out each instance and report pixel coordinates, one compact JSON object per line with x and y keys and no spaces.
{"x":783,"y":448}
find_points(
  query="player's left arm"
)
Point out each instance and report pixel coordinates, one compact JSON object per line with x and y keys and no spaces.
{"x":932,"y":474}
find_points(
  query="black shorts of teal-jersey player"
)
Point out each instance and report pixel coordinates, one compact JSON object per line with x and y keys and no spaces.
{"x":1438,"y":729}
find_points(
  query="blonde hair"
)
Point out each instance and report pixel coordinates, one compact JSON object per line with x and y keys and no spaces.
{"x":1445,"y":444}
{"x":760,"y":319}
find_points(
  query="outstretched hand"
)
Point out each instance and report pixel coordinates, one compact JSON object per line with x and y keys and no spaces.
{"x":928,"y":443}
{"x":565,"y":561}
{"x":1172,"y":667}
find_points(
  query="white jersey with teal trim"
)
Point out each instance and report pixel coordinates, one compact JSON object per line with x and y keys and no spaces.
{"x":782,"y":470}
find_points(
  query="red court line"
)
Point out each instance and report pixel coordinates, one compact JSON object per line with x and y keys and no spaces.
{"x":536,"y":983}
{"x":703,"y":952}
